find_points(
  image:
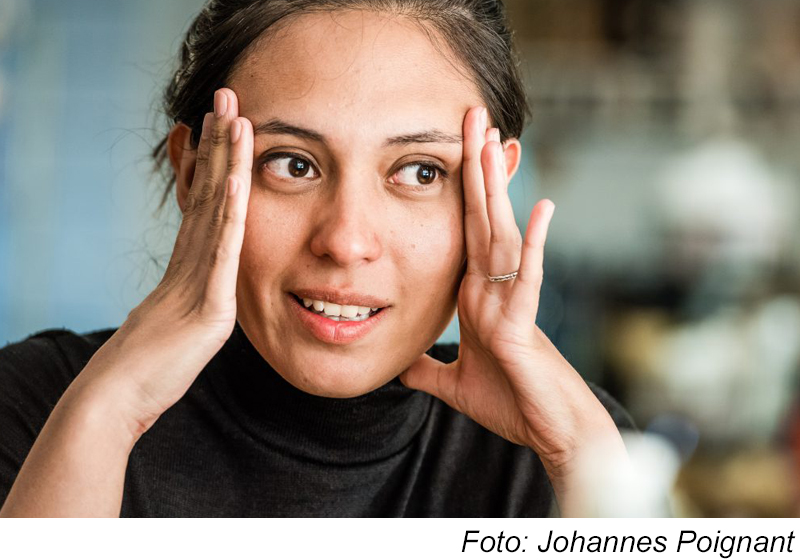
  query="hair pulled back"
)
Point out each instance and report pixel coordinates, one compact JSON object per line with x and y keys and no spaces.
{"x":475,"y":30}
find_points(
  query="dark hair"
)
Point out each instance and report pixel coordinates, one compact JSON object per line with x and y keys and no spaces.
{"x":475,"y":30}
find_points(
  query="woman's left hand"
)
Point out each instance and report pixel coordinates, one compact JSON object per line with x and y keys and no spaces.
{"x":508,"y":376}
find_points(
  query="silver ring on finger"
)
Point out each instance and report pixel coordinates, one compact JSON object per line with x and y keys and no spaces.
{"x":502,"y":277}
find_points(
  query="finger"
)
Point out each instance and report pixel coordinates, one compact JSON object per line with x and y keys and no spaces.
{"x":204,"y":205}
{"x":476,"y":223}
{"x":523,"y":302}
{"x":493,"y":134}
{"x":212,"y":183}
{"x":433,"y":377}
{"x":239,"y":165}
{"x":225,"y":255}
{"x":201,"y":165}
{"x":225,"y":111}
{"x":184,"y":240}
{"x":505,"y":239}
{"x":233,"y":101}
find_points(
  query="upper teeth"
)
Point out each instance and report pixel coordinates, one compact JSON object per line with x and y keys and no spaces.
{"x":336,"y":309}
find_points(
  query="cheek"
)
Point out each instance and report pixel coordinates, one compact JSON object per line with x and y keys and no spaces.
{"x":268,"y":237}
{"x":433,"y":251}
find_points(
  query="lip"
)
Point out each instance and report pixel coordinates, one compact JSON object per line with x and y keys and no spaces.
{"x":340,"y":297}
{"x":335,"y":332}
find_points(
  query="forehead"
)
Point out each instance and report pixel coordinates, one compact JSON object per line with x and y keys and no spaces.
{"x":337,"y":71}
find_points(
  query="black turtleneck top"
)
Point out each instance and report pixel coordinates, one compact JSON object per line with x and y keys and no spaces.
{"x":244,"y":442}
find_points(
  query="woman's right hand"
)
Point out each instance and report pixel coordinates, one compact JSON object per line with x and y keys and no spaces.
{"x":153,"y":358}
{"x":77,"y":465}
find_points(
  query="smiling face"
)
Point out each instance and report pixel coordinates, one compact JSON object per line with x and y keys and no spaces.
{"x":356,"y":192}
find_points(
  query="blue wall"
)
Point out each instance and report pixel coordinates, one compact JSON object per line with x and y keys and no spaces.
{"x":78,"y":81}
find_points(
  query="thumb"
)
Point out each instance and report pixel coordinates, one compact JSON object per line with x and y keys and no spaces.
{"x":431,"y":376}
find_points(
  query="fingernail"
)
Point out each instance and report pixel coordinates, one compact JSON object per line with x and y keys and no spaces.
{"x":220,"y":103}
{"x":236,"y":131}
{"x":484,"y":118}
{"x":495,"y":134}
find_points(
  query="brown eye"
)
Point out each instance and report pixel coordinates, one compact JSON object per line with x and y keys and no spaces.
{"x":426,"y":174}
{"x":290,"y":166}
{"x":298,"y":167}
{"x":417,"y":175}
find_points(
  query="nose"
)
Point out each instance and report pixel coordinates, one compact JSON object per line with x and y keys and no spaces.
{"x":346,"y":225}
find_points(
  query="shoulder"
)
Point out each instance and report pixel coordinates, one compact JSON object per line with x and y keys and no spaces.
{"x":39,"y":368}
{"x":52,"y":350}
{"x":34,"y":373}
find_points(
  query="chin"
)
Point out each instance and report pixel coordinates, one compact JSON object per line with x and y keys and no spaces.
{"x":336,"y":380}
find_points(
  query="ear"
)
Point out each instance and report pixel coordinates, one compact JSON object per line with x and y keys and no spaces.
{"x":183,"y":158}
{"x":513,"y":153}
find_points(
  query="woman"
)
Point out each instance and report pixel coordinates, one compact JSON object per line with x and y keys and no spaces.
{"x":342,"y":170}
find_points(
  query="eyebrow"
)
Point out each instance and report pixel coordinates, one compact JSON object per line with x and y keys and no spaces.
{"x":277,"y":126}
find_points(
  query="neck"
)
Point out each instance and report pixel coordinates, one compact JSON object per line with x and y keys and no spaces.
{"x":368,"y":427}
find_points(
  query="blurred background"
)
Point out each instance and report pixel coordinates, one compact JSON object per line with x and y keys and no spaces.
{"x":664,"y":130}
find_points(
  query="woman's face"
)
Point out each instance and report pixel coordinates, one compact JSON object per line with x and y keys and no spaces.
{"x":356,"y":197}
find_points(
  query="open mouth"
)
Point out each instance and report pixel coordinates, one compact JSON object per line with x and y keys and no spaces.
{"x":337,"y":312}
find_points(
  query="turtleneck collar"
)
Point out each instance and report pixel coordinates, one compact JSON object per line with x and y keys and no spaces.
{"x":359,"y":429}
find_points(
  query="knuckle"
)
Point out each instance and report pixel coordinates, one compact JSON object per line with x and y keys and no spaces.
{"x":232,"y":222}
{"x":218,"y":137}
{"x":202,"y":158}
{"x":191,"y":206}
{"x":134,"y":318}
{"x":535,"y":245}
{"x":230,"y":219}
{"x":203,"y":204}
{"x":218,"y":215}
{"x":472,"y":210}
{"x":205,"y":195}
{"x":187,"y":224}
{"x":501,"y":237}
